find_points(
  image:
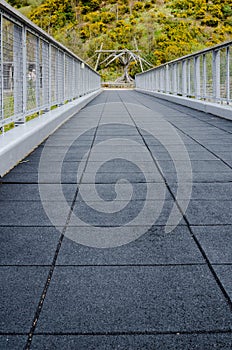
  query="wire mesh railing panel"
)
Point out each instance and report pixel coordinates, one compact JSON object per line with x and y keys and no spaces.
{"x":54,"y":65}
{"x":18,"y":70}
{"x":8,"y":68}
{"x":206,"y":75}
{"x":60,"y":76}
{"x":1,"y":73}
{"x":209,"y":76}
{"x":229,"y":91}
{"x":179,"y":78}
{"x":36,"y":72}
{"x":44,"y":74}
{"x":223,"y":74}
{"x":190,"y":77}
{"x":68,"y":76}
{"x":32,"y":70}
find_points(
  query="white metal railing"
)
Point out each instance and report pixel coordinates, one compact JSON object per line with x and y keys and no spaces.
{"x":205,"y":75}
{"x":36,"y":72}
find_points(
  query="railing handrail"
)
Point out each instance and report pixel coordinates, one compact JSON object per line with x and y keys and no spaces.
{"x":191,"y":55}
{"x":37,"y":72}
{"x":201,"y":76}
{"x":16,"y":15}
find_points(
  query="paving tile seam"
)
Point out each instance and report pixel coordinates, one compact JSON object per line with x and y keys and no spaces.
{"x":44,"y":226}
{"x":121,"y":200}
{"x":188,"y":112}
{"x":210,"y":225}
{"x":24,"y":265}
{"x":112,"y":265}
{"x":144,"y":333}
{"x":133,"y":265}
{"x":118,"y":333}
{"x":110,"y":183}
{"x":210,"y":265}
{"x":50,"y":274}
{"x":203,"y":253}
{"x":12,"y":334}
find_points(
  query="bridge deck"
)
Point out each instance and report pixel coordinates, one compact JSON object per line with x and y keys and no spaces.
{"x":170,"y":287}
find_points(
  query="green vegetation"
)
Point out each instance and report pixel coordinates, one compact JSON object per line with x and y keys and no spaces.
{"x":164,"y":29}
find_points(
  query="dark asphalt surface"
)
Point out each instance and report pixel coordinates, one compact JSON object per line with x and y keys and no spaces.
{"x":68,"y":281}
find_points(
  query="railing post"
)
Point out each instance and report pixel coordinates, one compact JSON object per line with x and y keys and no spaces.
{"x":216,"y":75}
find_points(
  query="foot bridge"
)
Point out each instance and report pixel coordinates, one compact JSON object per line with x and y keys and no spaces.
{"x":115,"y":205}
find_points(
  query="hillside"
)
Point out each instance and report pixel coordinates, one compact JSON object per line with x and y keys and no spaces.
{"x":164,"y":29}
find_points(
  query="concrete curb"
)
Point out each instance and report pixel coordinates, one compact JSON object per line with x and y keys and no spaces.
{"x":207,"y":107}
{"x":17,"y":143}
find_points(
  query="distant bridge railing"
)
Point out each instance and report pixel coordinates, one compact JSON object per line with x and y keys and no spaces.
{"x":36,"y":72}
{"x":205,"y":76}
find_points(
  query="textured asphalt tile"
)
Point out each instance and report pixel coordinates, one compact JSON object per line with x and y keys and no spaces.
{"x":207,"y":191}
{"x":216,"y":241}
{"x":177,"y":148}
{"x":224,"y":273}
{"x":120,"y":165}
{"x":180,"y":156}
{"x":224,"y":155}
{"x":20,"y":290}
{"x":229,"y":162}
{"x":205,"y":212}
{"x":103,"y":178}
{"x":22,"y":213}
{"x":138,"y":299}
{"x":219,"y":147}
{"x":123,"y":213}
{"x":31,"y":192}
{"x":12,"y":342}
{"x":33,"y":177}
{"x":123,"y":191}
{"x":28,"y":245}
{"x":48,"y":167}
{"x":197,"y":166}
{"x":153,"y":247}
{"x":208,"y":177}
{"x":217,"y":341}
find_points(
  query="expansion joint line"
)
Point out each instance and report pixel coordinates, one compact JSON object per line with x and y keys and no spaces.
{"x":52,"y":267}
{"x":203,"y":253}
